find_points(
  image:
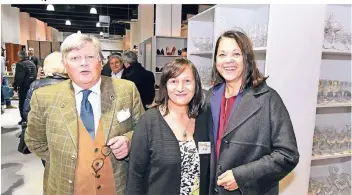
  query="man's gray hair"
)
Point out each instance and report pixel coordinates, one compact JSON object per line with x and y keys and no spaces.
{"x":115,"y":55}
{"x":130,"y":57}
{"x":78,"y":41}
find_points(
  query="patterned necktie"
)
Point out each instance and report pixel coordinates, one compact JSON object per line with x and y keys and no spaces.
{"x":87,"y":115}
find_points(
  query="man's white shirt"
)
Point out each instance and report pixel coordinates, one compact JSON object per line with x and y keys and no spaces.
{"x":94,"y":98}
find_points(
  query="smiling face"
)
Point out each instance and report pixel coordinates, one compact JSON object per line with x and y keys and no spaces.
{"x":181,"y":89}
{"x":83,"y":66}
{"x":229,"y":60}
{"x":115,"y":64}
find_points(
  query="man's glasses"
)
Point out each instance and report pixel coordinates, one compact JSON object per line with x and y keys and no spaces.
{"x":98,"y":163}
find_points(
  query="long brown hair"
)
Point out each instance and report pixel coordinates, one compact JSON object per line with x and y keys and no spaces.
{"x":251,"y":75}
{"x":171,"y":70}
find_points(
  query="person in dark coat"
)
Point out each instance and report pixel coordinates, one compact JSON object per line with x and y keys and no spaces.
{"x":254,"y":140}
{"x":142,"y":78}
{"x":55,"y":72}
{"x":25,"y":74}
{"x":170,"y":148}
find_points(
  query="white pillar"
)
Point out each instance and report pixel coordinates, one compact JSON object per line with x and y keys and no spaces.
{"x":134,"y":34}
{"x":294,"y":74}
{"x":146,"y":21}
{"x":168,"y":20}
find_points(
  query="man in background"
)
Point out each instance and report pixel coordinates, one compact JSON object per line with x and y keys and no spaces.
{"x":35,"y":60}
{"x":143,"y":79}
{"x":4,"y":83}
{"x":26,"y":73}
{"x":184,"y":52}
{"x":114,"y":68}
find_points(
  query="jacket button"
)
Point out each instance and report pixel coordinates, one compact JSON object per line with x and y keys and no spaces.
{"x":225,"y":142}
{"x":98,"y":176}
{"x":96,"y":150}
{"x":69,"y":181}
{"x":98,"y":187}
{"x":73,"y":157}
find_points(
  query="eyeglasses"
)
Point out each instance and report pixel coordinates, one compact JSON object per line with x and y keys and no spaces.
{"x":98,"y":163}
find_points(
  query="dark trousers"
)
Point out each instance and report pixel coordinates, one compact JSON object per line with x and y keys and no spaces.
{"x":22,"y":93}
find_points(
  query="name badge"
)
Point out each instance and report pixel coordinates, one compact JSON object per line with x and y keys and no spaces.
{"x":204,"y":147}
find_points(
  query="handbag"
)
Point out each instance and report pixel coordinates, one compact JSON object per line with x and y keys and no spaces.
{"x":22,"y":147}
{"x":7,"y":92}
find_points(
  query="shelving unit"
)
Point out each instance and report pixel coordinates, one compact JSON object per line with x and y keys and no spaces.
{"x":151,"y":60}
{"x":331,"y":156}
{"x":335,"y":65}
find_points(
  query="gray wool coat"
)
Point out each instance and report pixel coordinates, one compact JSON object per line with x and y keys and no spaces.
{"x":259,"y":144}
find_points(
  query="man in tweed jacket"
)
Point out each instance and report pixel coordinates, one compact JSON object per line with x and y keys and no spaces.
{"x":54,"y":122}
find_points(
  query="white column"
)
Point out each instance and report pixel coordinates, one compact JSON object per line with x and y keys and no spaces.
{"x":146,"y":21}
{"x":168,"y":20}
{"x":134,"y":34}
{"x":294,"y":74}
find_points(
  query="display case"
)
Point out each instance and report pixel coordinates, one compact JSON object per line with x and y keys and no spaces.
{"x":331,"y":154}
{"x":157,"y":51}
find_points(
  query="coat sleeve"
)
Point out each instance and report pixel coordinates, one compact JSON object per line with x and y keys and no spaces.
{"x":19,"y":75}
{"x":139,"y":160}
{"x":26,"y":106}
{"x":137,"y":109}
{"x":261,"y":175}
{"x":35,"y":136}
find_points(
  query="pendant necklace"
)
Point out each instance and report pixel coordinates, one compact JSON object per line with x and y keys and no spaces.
{"x":185,"y":131}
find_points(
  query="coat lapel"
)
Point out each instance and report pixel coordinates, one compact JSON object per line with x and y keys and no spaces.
{"x":68,"y":111}
{"x":245,"y":109}
{"x":108,"y":104}
{"x":215,"y":108}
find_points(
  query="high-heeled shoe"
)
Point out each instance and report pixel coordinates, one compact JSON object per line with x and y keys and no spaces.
{"x":173,"y":52}
{"x":162,"y":52}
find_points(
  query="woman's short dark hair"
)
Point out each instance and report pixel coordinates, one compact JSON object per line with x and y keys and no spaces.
{"x":251,"y":75}
{"x":171,"y":70}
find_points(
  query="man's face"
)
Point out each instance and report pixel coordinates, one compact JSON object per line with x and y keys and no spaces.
{"x":84,"y":66}
{"x":115,"y":64}
{"x":184,"y":54}
{"x":31,"y":51}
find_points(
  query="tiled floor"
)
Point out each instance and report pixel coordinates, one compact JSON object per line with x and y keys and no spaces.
{"x":20,"y":174}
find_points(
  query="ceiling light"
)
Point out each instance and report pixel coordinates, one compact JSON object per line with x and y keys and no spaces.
{"x":93,"y":10}
{"x":50,"y":7}
{"x":79,"y":32}
{"x":98,"y":24}
{"x":101,"y":33}
{"x":68,"y":22}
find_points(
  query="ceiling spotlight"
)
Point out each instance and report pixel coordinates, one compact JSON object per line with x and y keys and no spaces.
{"x":98,"y":24}
{"x":50,"y":7}
{"x":79,"y":32}
{"x":101,"y":33}
{"x":68,"y":22}
{"x":93,"y":10}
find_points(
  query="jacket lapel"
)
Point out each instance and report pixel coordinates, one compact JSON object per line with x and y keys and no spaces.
{"x":248,"y":106}
{"x":108,"y":105}
{"x":68,"y":111}
{"x":215,"y":108}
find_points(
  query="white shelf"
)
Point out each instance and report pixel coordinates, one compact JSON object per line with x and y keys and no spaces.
{"x":206,"y":53}
{"x":168,"y":56}
{"x":156,"y":89}
{"x":330,"y":156}
{"x":333,"y":105}
{"x":158,"y":72}
{"x":336,"y":52}
{"x":205,"y":16}
{"x":259,"y":50}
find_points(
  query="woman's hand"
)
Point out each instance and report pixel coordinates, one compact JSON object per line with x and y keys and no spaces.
{"x":227,"y":180}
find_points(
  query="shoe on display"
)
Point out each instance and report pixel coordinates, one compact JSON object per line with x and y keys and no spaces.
{"x":158,"y":52}
{"x":162,"y":52}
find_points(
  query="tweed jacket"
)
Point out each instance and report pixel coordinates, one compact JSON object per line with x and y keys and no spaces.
{"x":52,"y":132}
{"x":258,"y":145}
